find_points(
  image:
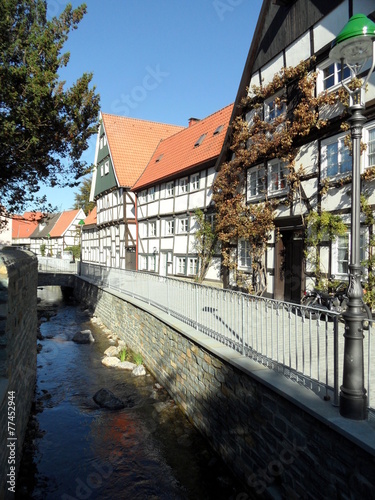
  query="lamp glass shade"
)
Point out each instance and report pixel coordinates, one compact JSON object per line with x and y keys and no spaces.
{"x":354,"y":43}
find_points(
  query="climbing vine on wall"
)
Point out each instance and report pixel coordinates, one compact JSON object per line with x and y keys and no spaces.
{"x":256,"y":141}
{"x":321,"y":227}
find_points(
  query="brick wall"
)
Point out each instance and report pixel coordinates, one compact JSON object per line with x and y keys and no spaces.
{"x":278,"y":437}
{"x":18,"y":344}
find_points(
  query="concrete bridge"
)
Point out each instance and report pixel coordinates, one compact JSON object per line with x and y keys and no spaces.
{"x":56,"y":272}
{"x":56,"y":279}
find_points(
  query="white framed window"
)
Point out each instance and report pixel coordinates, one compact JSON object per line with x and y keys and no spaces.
{"x":181,"y":265}
{"x":277,"y":172}
{"x":256,"y":182}
{"x":183,"y":185}
{"x":336,"y":159}
{"x":106,"y":167}
{"x":169,"y":189}
{"x":341,"y":253}
{"x":102,"y":170}
{"x":210,"y":218}
{"x":244,"y":256}
{"x":193,"y":266}
{"x":101,"y":142}
{"x":169,"y":227}
{"x":152,"y":262}
{"x":184,"y":225}
{"x":329,"y":76}
{"x":274,"y":107}
{"x":151,"y":194}
{"x":194,"y":181}
{"x":142,"y":196}
{"x":105,"y":140}
{"x":151,"y":229}
{"x":369,"y":136}
{"x":143,"y":229}
{"x":143,"y":262}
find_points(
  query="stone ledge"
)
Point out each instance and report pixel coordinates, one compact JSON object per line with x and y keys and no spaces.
{"x":362,"y":433}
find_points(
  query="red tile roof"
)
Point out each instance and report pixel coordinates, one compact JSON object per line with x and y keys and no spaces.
{"x":91,"y":218}
{"x":132,"y":142}
{"x":63,"y":223}
{"x":24,"y":225}
{"x":181,"y":151}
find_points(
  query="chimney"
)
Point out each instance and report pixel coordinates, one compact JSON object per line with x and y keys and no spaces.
{"x":192,"y":121}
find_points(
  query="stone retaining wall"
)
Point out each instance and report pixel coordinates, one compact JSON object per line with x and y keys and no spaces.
{"x":18,"y":350}
{"x":282,"y":439}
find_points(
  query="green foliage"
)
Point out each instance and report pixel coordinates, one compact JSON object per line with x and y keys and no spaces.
{"x":44,"y":125}
{"x":43,"y":249}
{"x":137,"y":358}
{"x":75,"y":249}
{"x":82,"y":198}
{"x":124,"y":354}
{"x":369,"y":262}
{"x":205,"y":240}
{"x":323,"y":226}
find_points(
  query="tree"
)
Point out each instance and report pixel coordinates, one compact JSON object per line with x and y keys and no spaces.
{"x":44,"y":126}
{"x":82,"y":198}
{"x":205,"y":240}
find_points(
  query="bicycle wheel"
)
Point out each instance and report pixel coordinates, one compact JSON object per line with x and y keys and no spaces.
{"x":311,"y":302}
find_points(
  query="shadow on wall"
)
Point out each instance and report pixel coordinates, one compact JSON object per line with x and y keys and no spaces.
{"x":269,"y":443}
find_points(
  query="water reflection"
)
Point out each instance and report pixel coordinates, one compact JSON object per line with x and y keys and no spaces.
{"x":77,"y":450}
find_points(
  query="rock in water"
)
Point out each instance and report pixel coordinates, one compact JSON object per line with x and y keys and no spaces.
{"x":110,"y":361}
{"x":139,"y":371}
{"x":106,"y":399}
{"x":83,"y":337}
{"x":126,"y":365}
{"x":111,"y":351}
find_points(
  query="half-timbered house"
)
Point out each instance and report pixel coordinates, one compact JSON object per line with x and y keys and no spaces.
{"x":178,"y":181}
{"x":57,"y":232}
{"x":124,"y":146}
{"x":293,"y":155}
{"x":23,"y":227}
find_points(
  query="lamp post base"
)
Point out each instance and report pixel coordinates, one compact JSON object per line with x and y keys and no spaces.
{"x":353,"y":407}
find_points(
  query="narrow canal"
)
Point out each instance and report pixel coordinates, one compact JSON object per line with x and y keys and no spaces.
{"x":77,"y":450}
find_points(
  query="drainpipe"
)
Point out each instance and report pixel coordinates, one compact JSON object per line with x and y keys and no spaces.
{"x":136,"y":231}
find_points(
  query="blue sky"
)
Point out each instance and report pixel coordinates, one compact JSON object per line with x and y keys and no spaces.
{"x":165,"y":60}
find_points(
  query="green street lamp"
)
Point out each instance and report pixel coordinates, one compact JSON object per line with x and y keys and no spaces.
{"x":355,"y":46}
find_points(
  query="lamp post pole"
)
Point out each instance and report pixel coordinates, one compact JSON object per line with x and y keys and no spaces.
{"x":354,"y":46}
{"x":353,"y":399}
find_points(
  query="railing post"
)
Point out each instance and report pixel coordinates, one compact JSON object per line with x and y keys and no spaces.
{"x":168,"y":307}
{"x":196,"y":306}
{"x":243,"y":324}
{"x":335,"y":361}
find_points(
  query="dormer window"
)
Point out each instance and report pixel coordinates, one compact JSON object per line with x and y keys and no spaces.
{"x":200,"y":140}
{"x":159,"y":158}
{"x":218,"y":130}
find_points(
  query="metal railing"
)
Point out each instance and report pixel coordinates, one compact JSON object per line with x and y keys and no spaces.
{"x":55,"y":265}
{"x":303,"y":343}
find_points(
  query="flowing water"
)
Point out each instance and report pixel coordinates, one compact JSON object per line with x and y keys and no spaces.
{"x":76,"y":450}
